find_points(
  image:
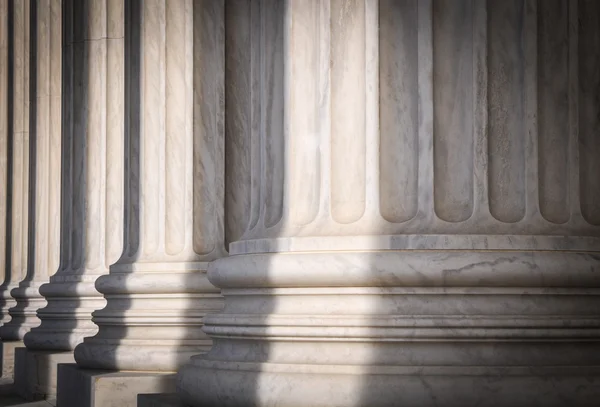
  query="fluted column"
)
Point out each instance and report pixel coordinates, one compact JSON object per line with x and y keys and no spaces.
{"x":419,"y":220}
{"x":45,"y":151}
{"x":19,"y":160}
{"x":157,"y":293}
{"x":92,"y":218}
{"x":5,"y":299}
{"x":14,"y":330}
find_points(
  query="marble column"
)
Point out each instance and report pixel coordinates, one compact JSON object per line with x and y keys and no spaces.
{"x":14,"y":329}
{"x":5,"y":190}
{"x":418,"y":213}
{"x":157,"y":293}
{"x":93,"y":160}
{"x":45,"y":169}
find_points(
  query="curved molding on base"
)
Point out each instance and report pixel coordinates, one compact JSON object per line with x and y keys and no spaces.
{"x":402,"y":327}
{"x":67,"y":317}
{"x":24,"y":313}
{"x":6,"y":302}
{"x":152,"y":320}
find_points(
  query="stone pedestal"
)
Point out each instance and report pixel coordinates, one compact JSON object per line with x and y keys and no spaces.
{"x":159,"y":400}
{"x":36,"y":373}
{"x":100,"y":388}
{"x":8,"y":356}
{"x":420,"y":225}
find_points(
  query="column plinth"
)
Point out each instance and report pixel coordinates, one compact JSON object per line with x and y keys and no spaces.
{"x":418,"y":224}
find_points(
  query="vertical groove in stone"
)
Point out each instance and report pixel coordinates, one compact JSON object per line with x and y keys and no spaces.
{"x":273,"y":105}
{"x":67,"y":136}
{"x":132,"y":127}
{"x":399,"y":113}
{"x":80,"y":103}
{"x":152,"y":137}
{"x":574,"y":162}
{"x":242,"y":158}
{"x":55,"y":136}
{"x":589,"y":106}
{"x":40,"y":232}
{"x":480,"y":112}
{"x":115,"y":128}
{"x":209,"y":67}
{"x":4,"y":139}
{"x":426,"y":158}
{"x":48,"y":140}
{"x":19,"y":208}
{"x":506,"y":104}
{"x":348,"y":99}
{"x":304,"y":112}
{"x":25,"y":6}
{"x":93,"y":149}
{"x":178,"y":138}
{"x":255,"y":114}
{"x":372,"y":111}
{"x":453,"y":108}
{"x":553,"y":109}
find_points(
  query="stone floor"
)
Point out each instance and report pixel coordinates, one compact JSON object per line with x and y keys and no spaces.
{"x":8,"y":399}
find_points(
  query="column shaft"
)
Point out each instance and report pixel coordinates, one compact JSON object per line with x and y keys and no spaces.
{"x":5,"y":142}
{"x":430,"y":222}
{"x":20,"y":166}
{"x":157,"y":293}
{"x":93,"y":142}
{"x":45,"y":167}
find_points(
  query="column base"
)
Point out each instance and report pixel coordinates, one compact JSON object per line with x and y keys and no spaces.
{"x":8,"y":357}
{"x":101,"y":388}
{"x":36,"y":372}
{"x":160,"y":400}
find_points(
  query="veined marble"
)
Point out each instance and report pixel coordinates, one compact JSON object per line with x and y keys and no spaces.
{"x":93,"y":172}
{"x":14,"y":329}
{"x":43,"y":245}
{"x":5,"y":141}
{"x":419,"y":223}
{"x":157,"y":293}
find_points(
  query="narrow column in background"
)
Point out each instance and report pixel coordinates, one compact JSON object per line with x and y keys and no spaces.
{"x":5,"y":142}
{"x":157,"y":293}
{"x":13,"y":328}
{"x":93,"y":139}
{"x":6,"y":188}
{"x":43,"y":244}
{"x":92,"y":182}
{"x":44,"y":167}
{"x":16,"y":264}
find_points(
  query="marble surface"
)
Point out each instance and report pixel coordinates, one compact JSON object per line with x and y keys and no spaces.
{"x":36,"y":373}
{"x":43,"y":243}
{"x":429,"y":236}
{"x":19,"y":210}
{"x":330,"y":202}
{"x":94,"y":388}
{"x":93,"y":172}
{"x":4,"y":143}
{"x":157,"y":292}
